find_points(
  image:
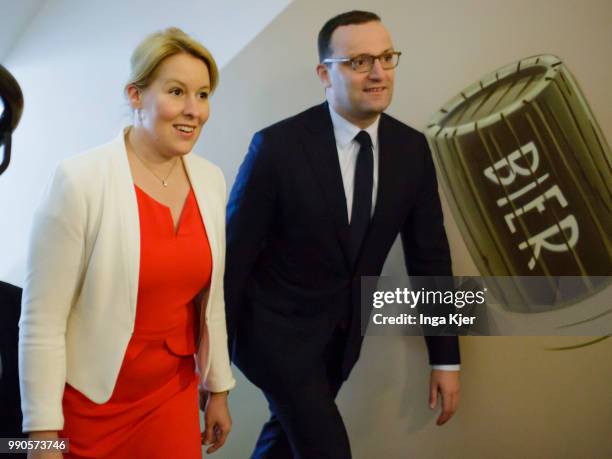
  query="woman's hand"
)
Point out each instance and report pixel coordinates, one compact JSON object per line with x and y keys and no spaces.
{"x":217,"y":420}
{"x":41,"y":454}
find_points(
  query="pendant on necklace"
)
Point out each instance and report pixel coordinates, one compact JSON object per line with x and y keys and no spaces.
{"x":164,"y":183}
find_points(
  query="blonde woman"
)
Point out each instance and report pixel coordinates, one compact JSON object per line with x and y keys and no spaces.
{"x":124,"y":279}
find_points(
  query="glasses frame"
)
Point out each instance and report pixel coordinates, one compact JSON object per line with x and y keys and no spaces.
{"x":351,"y":60}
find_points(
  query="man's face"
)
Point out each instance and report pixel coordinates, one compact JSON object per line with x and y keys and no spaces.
{"x":358,"y":97}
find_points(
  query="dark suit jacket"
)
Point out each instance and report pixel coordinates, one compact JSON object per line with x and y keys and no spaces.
{"x":10,"y":404}
{"x":288,"y":278}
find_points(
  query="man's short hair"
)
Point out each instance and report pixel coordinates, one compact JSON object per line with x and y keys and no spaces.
{"x":349,"y":18}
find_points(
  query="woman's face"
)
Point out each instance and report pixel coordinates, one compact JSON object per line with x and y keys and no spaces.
{"x":174,"y":107}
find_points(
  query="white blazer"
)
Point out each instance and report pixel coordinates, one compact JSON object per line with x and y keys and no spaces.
{"x":79,"y":299}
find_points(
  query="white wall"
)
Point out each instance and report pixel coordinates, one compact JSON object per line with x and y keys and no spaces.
{"x":14,"y":18}
{"x":519,"y":399}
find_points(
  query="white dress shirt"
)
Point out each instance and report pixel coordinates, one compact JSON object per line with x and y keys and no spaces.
{"x":348,"y":149}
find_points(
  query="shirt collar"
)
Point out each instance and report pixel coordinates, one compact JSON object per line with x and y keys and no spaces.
{"x":345,"y":132}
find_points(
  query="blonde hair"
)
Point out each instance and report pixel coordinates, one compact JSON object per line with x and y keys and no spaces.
{"x":158,"y":46}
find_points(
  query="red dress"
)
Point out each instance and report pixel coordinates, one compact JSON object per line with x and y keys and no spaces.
{"x":153,"y":410}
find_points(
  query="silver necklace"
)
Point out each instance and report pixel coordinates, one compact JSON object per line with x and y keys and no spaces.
{"x":163,"y":180}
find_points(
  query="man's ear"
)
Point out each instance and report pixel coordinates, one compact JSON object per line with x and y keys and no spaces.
{"x":134,"y":96}
{"x":323,"y":73}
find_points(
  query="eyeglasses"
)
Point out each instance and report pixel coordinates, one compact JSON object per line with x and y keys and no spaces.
{"x":364,"y":62}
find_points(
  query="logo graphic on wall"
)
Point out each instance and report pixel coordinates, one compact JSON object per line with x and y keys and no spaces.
{"x":528,"y":175}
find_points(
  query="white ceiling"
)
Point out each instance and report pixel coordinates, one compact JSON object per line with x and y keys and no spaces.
{"x":14,"y":18}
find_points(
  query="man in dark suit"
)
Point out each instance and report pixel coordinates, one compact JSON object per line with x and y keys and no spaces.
{"x":317,"y":203}
{"x":10,"y":409}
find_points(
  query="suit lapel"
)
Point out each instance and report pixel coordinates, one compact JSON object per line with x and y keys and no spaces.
{"x":320,"y":147}
{"x":211,"y":218}
{"x":387,"y":171}
{"x":127,"y":208}
{"x":203,"y":198}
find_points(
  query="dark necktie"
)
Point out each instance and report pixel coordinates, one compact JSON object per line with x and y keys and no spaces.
{"x":362,"y":193}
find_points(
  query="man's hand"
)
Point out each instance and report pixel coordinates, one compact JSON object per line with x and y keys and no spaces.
{"x":447,"y":384}
{"x":217,"y":420}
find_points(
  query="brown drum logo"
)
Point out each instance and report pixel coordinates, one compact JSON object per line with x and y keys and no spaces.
{"x":527,"y":172}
